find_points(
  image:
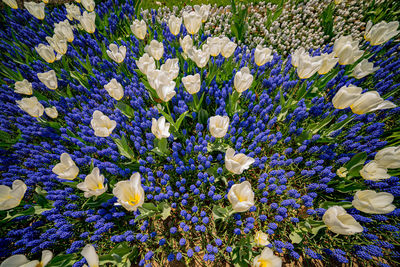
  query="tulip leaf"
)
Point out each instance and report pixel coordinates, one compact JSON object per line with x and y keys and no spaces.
{"x":7,"y":140}
{"x":97,"y":201}
{"x":222,"y":213}
{"x":328,"y":204}
{"x":349,"y":187}
{"x":355,"y":164}
{"x":203,"y":116}
{"x":295,"y":237}
{"x":62,"y":260}
{"x":180,"y":120}
{"x":126,"y":110}
{"x":124,"y":148}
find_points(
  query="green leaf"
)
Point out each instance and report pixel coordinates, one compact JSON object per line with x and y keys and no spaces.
{"x":355,"y":164}
{"x":220,"y":213}
{"x":203,"y":116}
{"x":124,"y":148}
{"x":7,"y":140}
{"x":349,"y":187}
{"x":180,"y":120}
{"x":328,"y":204}
{"x":97,"y":201}
{"x":62,"y":260}
{"x":165,"y":211}
{"x":295,"y":237}
{"x":126,"y":110}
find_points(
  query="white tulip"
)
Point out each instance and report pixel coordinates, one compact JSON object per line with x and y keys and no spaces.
{"x":114,"y":89}
{"x":340,"y":222}
{"x":219,"y":126}
{"x":35,"y":9}
{"x":49,"y":79}
{"x":389,"y":157}
{"x":347,"y":50}
{"x":155,"y":49}
{"x":102,"y":124}
{"x":130,"y":193}
{"x":363,"y":69}
{"x":31,"y":106}
{"x":15,"y":260}
{"x":371,"y":202}
{"x":139,"y":28}
{"x":88,"y":5}
{"x":342,"y":172}
{"x":346,"y":96}
{"x":192,"y":22}
{"x":243,"y":80}
{"x":370,"y":101}
{"x":171,"y":67}
{"x":228,"y":49}
{"x":51,"y":112}
{"x":164,"y":86}
{"x":267,"y":259}
{"x":199,"y":56}
{"x":214,"y":45}
{"x":160,"y":128}
{"x":174,"y":24}
{"x":308,"y":66}
{"x":89,"y":252}
{"x":146,"y":63}
{"x":192,"y":83}
{"x":328,"y":61}
{"x":58,"y":43}
{"x":63,"y":28}
{"x":116,"y":53}
{"x":186,"y":43}
{"x":262,"y":55}
{"x":237,"y":163}
{"x":241,"y":196}
{"x":93,"y":184}
{"x":23,"y":87}
{"x":11,"y":3}
{"x":46,"y":52}
{"x":203,"y":11}
{"x":300,"y":52}
{"x":47,"y":255}
{"x":87,"y":21}
{"x":381,"y":33}
{"x":67,"y":168}
{"x":73,"y":11}
{"x":374,"y":172}
{"x":261,"y":239}
{"x":11,"y":197}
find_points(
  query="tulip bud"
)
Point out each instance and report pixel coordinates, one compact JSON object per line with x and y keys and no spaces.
{"x":11,"y":197}
{"x":90,"y":255}
{"x":73,"y":11}
{"x":328,"y":61}
{"x":51,"y":112}
{"x":262,"y":55}
{"x":66,"y":169}
{"x":381,"y":32}
{"x":49,"y":79}
{"x":370,"y":101}
{"x":228,"y":49}
{"x":363,"y":69}
{"x":237,"y":163}
{"x":160,"y":128}
{"x":241,"y":196}
{"x":130,"y":193}
{"x":146,"y":64}
{"x":192,"y":83}
{"x":346,"y":96}
{"x":23,"y":87}
{"x":116,"y":53}
{"x":101,"y":124}
{"x":139,"y":28}
{"x":155,"y":49}
{"x":114,"y":89}
{"x":340,"y":222}
{"x":192,"y":21}
{"x":87,"y":21}
{"x":267,"y":258}
{"x":174,"y":24}
{"x":63,"y":28}
{"x":347,"y":50}
{"x":93,"y":184}
{"x":371,"y":202}
{"x":374,"y":172}
{"x":58,"y":43}
{"x":35,"y":9}
{"x":88,"y":5}
{"x":11,"y":3}
{"x":31,"y":106}
{"x":389,"y":157}
{"x":219,"y":126}
{"x":46,"y":52}
{"x":243,"y":80}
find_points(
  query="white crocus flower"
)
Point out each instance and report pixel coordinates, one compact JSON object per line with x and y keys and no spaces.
{"x":261,"y":239}
{"x":219,"y":126}
{"x":186,"y":43}
{"x":114,"y":89}
{"x":371,"y":202}
{"x":49,"y":79}
{"x":155,"y":49}
{"x":171,"y":67}
{"x":46,"y":52}
{"x":89,"y":252}
{"x":340,"y":222}
{"x":363,"y":69}
{"x":130,"y":193}
{"x":67,"y":168}
{"x":87,"y":21}
{"x":23,"y":87}
{"x":389,"y":157}
{"x":346,"y":96}
{"x":347,"y":50}
{"x":374,"y":172}
{"x":192,"y":22}
{"x":88,"y":5}
{"x":58,"y":43}
{"x":237,"y":163}
{"x":93,"y":184}
{"x":381,"y":33}
{"x":174,"y":24}
{"x":192,"y":83}
{"x":139,"y":28}
{"x":328,"y":61}
{"x":241,"y":196}
{"x":203,"y":11}
{"x":370,"y":101}
{"x":308,"y":66}
{"x":262,"y":55}
{"x":102,"y":124}
{"x":35,"y":9}
{"x":51,"y":112}
{"x":146,"y":63}
{"x":160,"y":128}
{"x":214,"y":45}
{"x":11,"y":3}
{"x":31,"y":106}
{"x":11,"y":197}
{"x":243,"y":80}
{"x":199,"y":56}
{"x":228,"y":49}
{"x":73,"y":11}
{"x":63,"y":28}
{"x":267,"y":259}
{"x":116,"y":53}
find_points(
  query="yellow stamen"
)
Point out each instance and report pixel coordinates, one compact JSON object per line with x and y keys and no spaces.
{"x":134,"y":200}
{"x":264,"y":263}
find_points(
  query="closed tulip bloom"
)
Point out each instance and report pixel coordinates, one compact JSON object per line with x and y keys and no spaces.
{"x":11,"y":197}
{"x":87,"y":21}
{"x":93,"y":184}
{"x":261,"y":239}
{"x":102,"y":124}
{"x":174,"y":24}
{"x":346,"y":96}
{"x":381,"y":33}
{"x":241,"y":196}
{"x":228,"y":49}
{"x":35,"y":9}
{"x":11,"y":3}
{"x":192,"y":21}
{"x":328,"y":61}
{"x":31,"y":106}
{"x":114,"y":89}
{"x":58,"y":43}
{"x":165,"y":88}
{"x":363,"y":69}
{"x":308,"y":66}
{"x":130,"y":193}
{"x":66,"y":169}
{"x":371,"y":202}
{"x":203,"y":11}
{"x":146,"y":63}
{"x":23,"y":87}
{"x":49,"y":79}
{"x":155,"y":49}
{"x":299,"y":53}
{"x":73,"y":11}
{"x":186,"y":43}
{"x":340,"y":222}
{"x":116,"y":53}
{"x":214,"y":45}
{"x":171,"y":67}
{"x":199,"y":56}
{"x":370,"y":101}
{"x":237,"y":163}
{"x":262,"y":55}
{"x":347,"y":50}
{"x":139,"y":28}
{"x":243,"y":80}
{"x":160,"y":128}
{"x":389,"y":157}
{"x":89,"y":252}
{"x":46,"y":52}
{"x":374,"y":172}
{"x":219,"y":126}
{"x":88,"y":5}
{"x":51,"y":112}
{"x":267,"y":259}
{"x":63,"y":28}
{"x":192,"y":83}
